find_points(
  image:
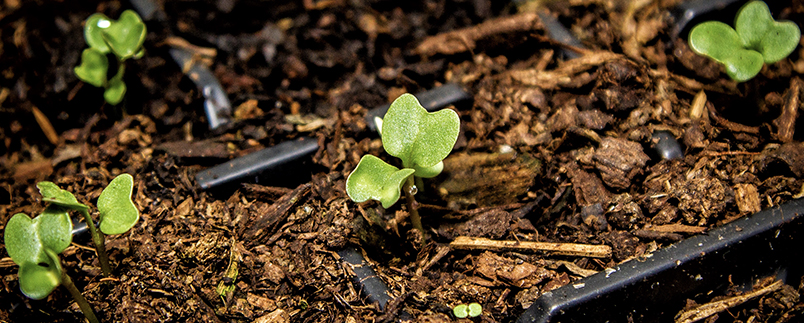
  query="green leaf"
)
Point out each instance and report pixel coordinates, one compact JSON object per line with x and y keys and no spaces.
{"x":376,"y":180}
{"x":743,"y":65}
{"x":53,"y":194}
{"x":720,"y":42}
{"x":460,"y":311}
{"x":92,"y":32}
{"x":39,"y":279}
{"x":94,"y":65}
{"x":22,"y":240}
{"x":420,"y":138}
{"x":475,"y":309}
{"x":775,"y":40}
{"x":429,"y":172}
{"x":117,"y":211}
{"x":758,"y":39}
{"x":126,"y":35}
{"x":26,"y":239}
{"x":54,"y":228}
{"x":115,"y":92}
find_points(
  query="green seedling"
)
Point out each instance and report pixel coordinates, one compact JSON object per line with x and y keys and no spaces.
{"x":34,"y":244}
{"x":122,"y":38}
{"x":472,"y":310}
{"x":420,"y":139}
{"x":758,"y":39}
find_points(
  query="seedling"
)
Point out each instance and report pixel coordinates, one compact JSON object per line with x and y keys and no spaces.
{"x":472,"y":310}
{"x":758,"y":39}
{"x":34,"y":244}
{"x":122,"y":38}
{"x":420,"y":139}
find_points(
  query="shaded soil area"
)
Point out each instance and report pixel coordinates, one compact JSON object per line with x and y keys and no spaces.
{"x":551,"y":149}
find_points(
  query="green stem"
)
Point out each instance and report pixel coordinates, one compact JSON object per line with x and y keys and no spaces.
{"x":413,"y":207}
{"x":82,"y":302}
{"x":419,"y":183}
{"x":98,"y":239}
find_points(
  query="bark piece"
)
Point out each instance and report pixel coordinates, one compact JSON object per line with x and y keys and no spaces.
{"x":266,"y":222}
{"x":619,"y":160}
{"x":588,"y":188}
{"x":789,"y":154}
{"x":487,"y":179}
{"x":747,"y":198}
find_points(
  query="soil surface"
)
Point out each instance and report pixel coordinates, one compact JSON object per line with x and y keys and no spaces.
{"x":551,"y":149}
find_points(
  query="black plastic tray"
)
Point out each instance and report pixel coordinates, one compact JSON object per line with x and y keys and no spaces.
{"x":655,"y":289}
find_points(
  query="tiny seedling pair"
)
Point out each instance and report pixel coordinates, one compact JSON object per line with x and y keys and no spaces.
{"x":755,"y":40}
{"x":420,"y":139}
{"x":123,"y":38}
{"x":34,"y":244}
{"x":472,"y":310}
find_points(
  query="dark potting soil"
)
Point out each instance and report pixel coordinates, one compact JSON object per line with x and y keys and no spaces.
{"x":551,"y":149}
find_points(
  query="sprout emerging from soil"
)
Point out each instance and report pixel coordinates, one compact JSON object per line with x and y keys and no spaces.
{"x":420,"y":139}
{"x":123,"y":38}
{"x":34,"y":244}
{"x":758,"y":39}
{"x":472,"y":310}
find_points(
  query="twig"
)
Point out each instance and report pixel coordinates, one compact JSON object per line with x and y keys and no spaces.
{"x":462,"y":40}
{"x":556,"y":248}
{"x":786,"y":123}
{"x":707,"y":310}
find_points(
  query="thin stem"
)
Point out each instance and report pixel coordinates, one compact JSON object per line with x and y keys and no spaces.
{"x":79,"y":298}
{"x":98,"y":239}
{"x":419,"y":183}
{"x":413,"y":207}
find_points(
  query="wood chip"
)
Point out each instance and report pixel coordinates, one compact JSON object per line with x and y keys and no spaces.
{"x":747,"y":198}
{"x":556,"y":248}
{"x":277,"y":316}
{"x":46,"y":126}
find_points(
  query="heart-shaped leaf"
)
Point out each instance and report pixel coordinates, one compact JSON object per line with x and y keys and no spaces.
{"x":39,"y":279}
{"x":775,"y":40}
{"x":26,"y":238}
{"x":22,"y":240}
{"x":123,"y":37}
{"x":126,"y":35}
{"x":115,"y":92}
{"x":420,"y":138}
{"x":54,"y":228}
{"x":376,"y":180}
{"x":94,"y":65}
{"x":96,"y":23}
{"x":117,"y":211}
{"x":722,"y":43}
